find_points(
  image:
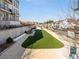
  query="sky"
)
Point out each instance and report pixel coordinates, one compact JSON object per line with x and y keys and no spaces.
{"x":43,"y":10}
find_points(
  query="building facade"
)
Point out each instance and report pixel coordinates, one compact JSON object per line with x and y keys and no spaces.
{"x":9,"y":11}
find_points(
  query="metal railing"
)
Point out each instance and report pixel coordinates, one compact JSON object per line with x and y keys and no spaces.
{"x":6,"y":8}
{"x":2,"y":5}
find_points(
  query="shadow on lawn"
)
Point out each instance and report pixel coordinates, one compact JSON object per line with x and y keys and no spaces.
{"x":32,"y":39}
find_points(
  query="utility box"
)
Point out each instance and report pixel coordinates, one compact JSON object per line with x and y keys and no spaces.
{"x":73,"y":50}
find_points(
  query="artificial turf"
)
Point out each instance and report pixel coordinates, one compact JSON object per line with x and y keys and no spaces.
{"x":42,"y":40}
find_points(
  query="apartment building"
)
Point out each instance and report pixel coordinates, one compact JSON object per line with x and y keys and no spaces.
{"x":9,"y":12}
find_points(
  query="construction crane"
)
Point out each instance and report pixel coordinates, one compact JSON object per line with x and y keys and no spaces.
{"x":73,"y":49}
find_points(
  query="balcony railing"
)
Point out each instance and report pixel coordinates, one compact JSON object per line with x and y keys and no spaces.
{"x":2,"y":6}
{"x":12,"y":11}
{"x":5,"y":7}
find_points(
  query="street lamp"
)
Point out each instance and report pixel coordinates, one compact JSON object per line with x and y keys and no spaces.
{"x":73,"y":49}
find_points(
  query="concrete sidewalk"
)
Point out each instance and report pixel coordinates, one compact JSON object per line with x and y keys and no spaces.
{"x":15,"y":51}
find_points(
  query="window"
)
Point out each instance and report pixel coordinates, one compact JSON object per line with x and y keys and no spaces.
{"x":1,"y":16}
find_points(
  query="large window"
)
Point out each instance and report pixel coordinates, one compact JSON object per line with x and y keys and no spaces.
{"x":5,"y":17}
{"x":1,"y":16}
{"x":16,"y":3}
{"x":16,"y":18}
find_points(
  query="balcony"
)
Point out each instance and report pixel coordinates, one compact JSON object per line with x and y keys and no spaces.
{"x":12,"y":11}
{"x":4,"y":7}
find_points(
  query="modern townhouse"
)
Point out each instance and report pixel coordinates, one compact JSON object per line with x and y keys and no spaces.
{"x":9,"y":13}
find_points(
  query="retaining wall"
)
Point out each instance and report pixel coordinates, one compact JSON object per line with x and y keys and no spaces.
{"x":15,"y":32}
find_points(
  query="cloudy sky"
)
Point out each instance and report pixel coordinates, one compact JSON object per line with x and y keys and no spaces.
{"x":43,"y":10}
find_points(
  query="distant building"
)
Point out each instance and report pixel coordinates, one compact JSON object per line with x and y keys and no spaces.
{"x":49,"y":24}
{"x":9,"y":13}
{"x":66,"y":24}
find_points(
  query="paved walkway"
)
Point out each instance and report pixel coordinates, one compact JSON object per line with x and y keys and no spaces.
{"x":67,"y":43}
{"x":15,"y":51}
{"x":61,"y":53}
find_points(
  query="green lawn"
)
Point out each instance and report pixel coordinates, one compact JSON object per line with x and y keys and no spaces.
{"x":42,"y":40}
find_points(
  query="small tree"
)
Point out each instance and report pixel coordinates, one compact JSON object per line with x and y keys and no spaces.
{"x":9,"y":40}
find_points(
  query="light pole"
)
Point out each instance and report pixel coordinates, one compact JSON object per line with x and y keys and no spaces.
{"x":73,"y":49}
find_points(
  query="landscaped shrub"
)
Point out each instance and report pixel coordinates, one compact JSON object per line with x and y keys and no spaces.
{"x":28,"y":32}
{"x":25,"y":32}
{"x":9,"y":40}
{"x":32,"y":39}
